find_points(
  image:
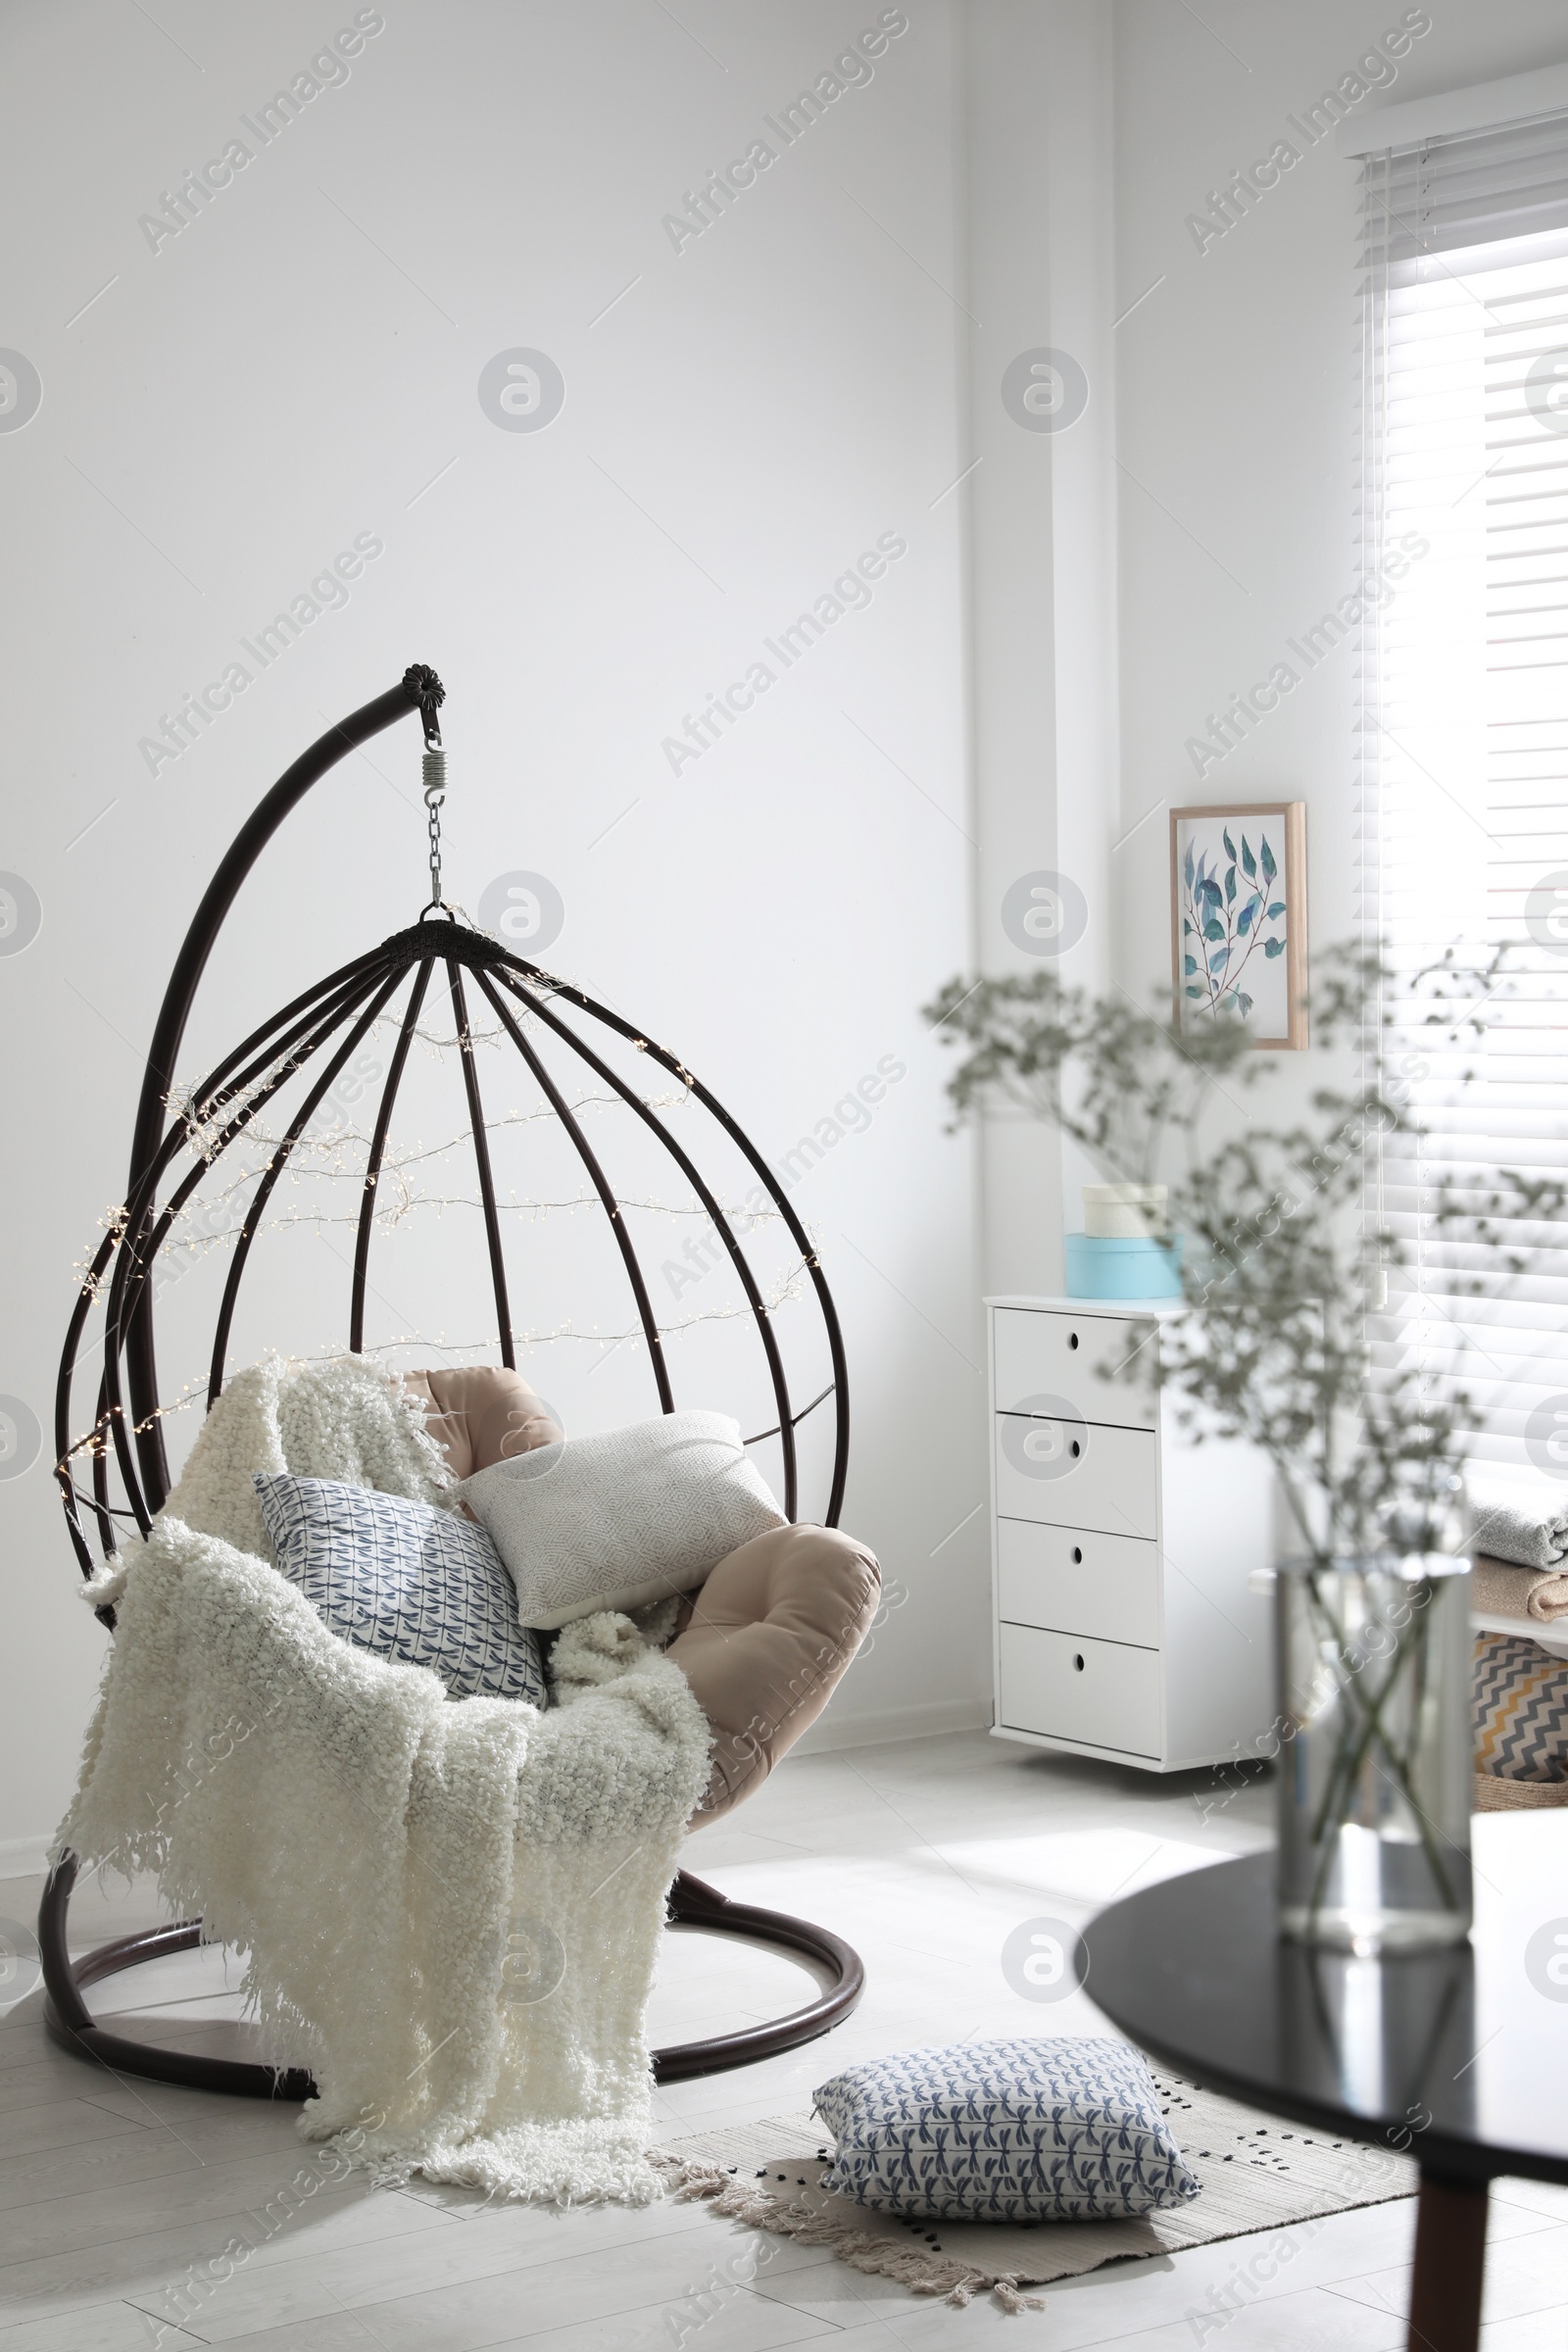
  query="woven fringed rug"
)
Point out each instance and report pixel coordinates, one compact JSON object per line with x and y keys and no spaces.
{"x":1256,"y":2173}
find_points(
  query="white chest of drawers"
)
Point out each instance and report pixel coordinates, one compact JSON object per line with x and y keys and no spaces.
{"x":1120,"y":1548}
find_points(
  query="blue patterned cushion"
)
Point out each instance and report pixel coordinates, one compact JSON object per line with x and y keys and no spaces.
{"x":1003,"y":2131}
{"x":405,"y":1581}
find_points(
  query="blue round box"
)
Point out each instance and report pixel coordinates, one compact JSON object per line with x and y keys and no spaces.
{"x":1131,"y":1266}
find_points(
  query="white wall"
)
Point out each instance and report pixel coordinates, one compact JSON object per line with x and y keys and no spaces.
{"x":1043,"y":562}
{"x":300,"y":365}
{"x":1237,"y":408}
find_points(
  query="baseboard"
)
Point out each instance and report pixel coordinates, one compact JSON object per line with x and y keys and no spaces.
{"x":25,"y":1857}
{"x":877,"y":1726}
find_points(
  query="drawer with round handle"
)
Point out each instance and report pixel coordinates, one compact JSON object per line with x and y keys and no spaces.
{"x":1066,"y":1687}
{"x":1075,"y":1581}
{"x":1083,"y":1359}
{"x":1071,"y":1473}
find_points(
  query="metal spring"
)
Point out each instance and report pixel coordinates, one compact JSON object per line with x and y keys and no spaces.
{"x":435,"y":774}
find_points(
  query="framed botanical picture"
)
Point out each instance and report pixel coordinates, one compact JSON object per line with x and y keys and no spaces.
{"x":1237,"y":898}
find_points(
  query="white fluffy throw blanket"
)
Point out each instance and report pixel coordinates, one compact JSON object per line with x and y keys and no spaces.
{"x":450,"y":1910}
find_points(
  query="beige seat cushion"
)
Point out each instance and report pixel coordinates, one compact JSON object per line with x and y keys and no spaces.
{"x":771,"y":1634}
{"x":768,"y":1637}
{"x":481,"y":1414}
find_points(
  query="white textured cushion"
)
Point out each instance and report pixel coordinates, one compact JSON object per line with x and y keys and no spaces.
{"x":613,"y":1521}
{"x":1027,"y":2130}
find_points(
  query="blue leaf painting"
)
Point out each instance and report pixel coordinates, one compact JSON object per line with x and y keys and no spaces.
{"x":1227,"y":903}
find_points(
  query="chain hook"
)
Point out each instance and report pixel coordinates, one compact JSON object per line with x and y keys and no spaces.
{"x":423,"y":686}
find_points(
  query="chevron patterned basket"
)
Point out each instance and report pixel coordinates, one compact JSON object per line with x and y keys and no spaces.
{"x":1520,"y":1721}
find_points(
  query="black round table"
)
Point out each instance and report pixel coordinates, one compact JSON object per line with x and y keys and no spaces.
{"x":1459,"y":2057}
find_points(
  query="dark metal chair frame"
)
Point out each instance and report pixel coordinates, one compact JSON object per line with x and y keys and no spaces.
{"x":331,"y":1018}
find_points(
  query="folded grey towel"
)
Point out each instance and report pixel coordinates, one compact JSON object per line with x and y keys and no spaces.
{"x":1528,"y":1535}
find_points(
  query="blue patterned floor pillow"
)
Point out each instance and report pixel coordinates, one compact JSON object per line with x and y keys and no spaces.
{"x":1028,"y":2131}
{"x":408,"y":1581}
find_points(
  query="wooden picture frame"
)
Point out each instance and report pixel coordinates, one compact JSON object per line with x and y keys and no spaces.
{"x":1237,"y":917}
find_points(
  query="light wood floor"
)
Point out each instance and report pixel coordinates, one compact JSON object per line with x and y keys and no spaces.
{"x":925,"y":1855}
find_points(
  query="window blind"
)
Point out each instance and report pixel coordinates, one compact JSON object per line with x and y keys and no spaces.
{"x":1482,"y":189}
{"x":1462,"y":531}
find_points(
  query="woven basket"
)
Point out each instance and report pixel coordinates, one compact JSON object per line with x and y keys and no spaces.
{"x":1494,"y":1794}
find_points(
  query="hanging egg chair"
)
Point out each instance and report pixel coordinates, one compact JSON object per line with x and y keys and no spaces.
{"x":265,"y":1098}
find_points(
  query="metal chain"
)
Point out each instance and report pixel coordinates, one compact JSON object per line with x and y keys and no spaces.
{"x":422,"y":687}
{"x":436,"y":792}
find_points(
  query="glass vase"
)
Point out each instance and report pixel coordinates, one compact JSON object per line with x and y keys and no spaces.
{"x":1374,"y":1660}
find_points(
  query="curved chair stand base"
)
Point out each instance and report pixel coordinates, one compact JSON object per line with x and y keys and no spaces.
{"x":692,"y":1904}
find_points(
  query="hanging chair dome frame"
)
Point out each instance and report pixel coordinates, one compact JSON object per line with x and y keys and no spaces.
{"x":125,"y":1442}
